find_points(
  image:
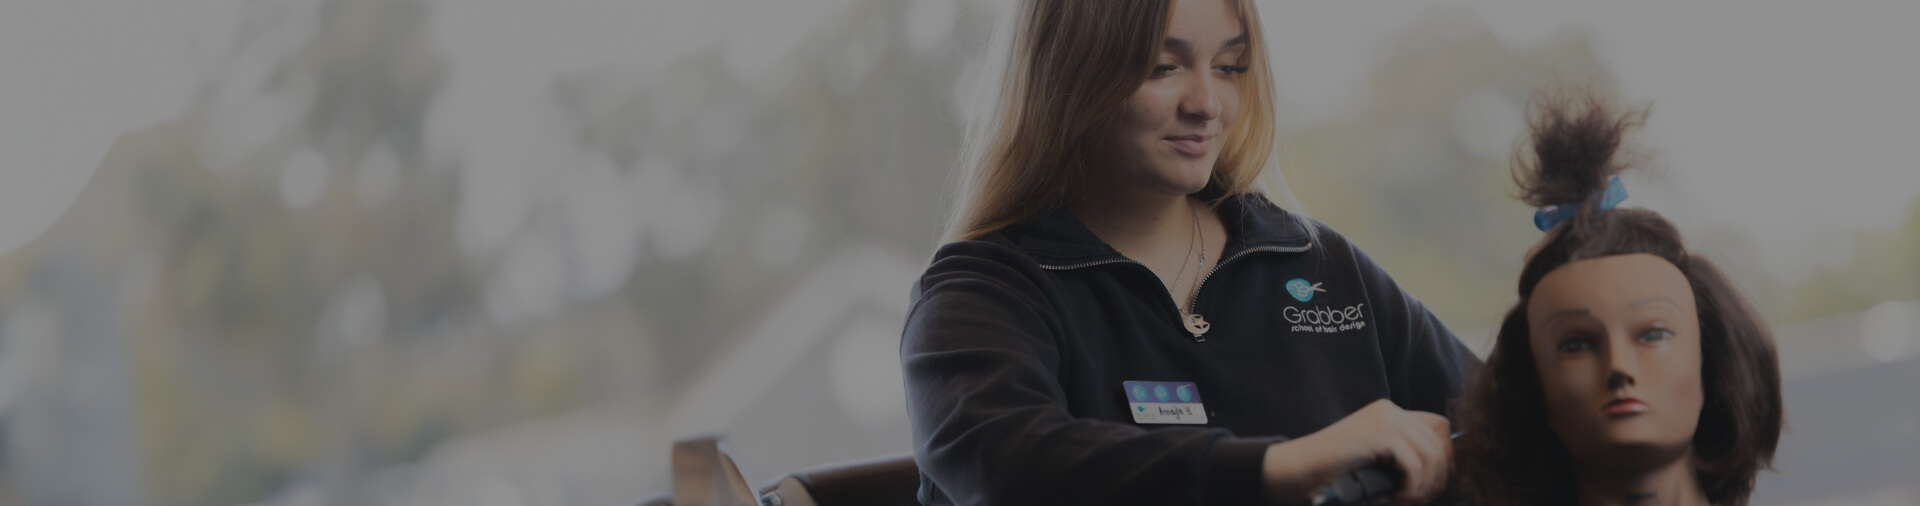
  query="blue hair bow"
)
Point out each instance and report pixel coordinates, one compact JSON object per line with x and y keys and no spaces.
{"x":1546,"y":217}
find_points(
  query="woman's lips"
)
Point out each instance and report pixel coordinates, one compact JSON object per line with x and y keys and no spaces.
{"x":1192,"y":145}
{"x":1622,"y":407}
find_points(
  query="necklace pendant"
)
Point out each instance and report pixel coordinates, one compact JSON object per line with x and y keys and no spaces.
{"x":1197,"y":325}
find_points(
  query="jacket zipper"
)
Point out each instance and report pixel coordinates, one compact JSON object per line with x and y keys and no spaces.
{"x":1193,"y":322}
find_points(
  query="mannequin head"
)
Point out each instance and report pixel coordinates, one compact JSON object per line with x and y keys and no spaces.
{"x":1624,"y":351}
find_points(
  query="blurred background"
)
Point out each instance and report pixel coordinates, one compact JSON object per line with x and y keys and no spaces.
{"x":424,"y":252}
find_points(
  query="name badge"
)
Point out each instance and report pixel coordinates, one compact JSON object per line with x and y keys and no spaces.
{"x":1165,"y":402}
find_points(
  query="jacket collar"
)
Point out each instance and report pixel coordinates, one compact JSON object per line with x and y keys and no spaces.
{"x":1057,"y":237}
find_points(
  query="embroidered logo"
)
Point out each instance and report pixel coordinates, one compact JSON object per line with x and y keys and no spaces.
{"x":1320,"y":319}
{"x":1302,"y":290}
{"x":1325,"y":320}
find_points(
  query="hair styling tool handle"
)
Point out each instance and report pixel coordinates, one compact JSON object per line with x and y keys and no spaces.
{"x":1369,"y":485}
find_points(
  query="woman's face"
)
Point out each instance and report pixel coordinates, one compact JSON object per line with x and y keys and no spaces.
{"x":1617,"y":342}
{"x":1168,"y":133}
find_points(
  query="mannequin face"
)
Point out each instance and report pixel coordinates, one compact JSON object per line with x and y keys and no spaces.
{"x":1617,"y":342}
{"x":1168,"y":133}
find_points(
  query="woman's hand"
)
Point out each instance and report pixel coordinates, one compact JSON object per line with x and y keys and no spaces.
{"x":1415,"y":442}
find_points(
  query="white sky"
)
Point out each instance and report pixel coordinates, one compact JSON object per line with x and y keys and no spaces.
{"x":1787,"y":120}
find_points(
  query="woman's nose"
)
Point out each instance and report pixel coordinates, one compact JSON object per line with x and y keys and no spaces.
{"x":1202,"y":100}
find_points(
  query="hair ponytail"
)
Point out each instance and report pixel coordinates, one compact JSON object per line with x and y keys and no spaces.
{"x":1574,"y":142}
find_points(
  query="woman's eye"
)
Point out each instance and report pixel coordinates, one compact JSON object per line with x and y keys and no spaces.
{"x":1163,"y":69}
{"x":1234,"y":69}
{"x":1575,"y":345}
{"x":1656,"y":334}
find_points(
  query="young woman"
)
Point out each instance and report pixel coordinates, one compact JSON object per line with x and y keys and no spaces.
{"x":1123,"y":318}
{"x":1630,"y":371}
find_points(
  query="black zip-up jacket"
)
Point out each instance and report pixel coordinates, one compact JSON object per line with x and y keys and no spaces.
{"x":1017,"y":345}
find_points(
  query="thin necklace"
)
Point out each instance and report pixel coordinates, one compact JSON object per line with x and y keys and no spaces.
{"x":1203,"y":237}
{"x":1184,"y":261}
{"x":1202,"y":231}
{"x":1195,"y":324}
{"x":1199,"y":236}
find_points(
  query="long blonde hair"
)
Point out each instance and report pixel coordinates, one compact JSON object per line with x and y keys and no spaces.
{"x":1058,"y":73}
